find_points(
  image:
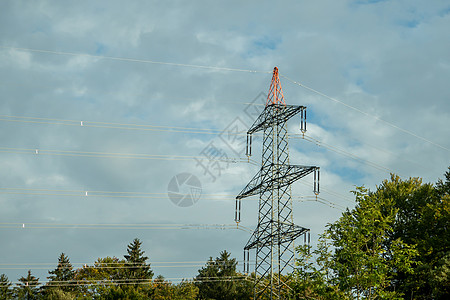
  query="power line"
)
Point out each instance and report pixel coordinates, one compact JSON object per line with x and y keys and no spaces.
{"x":116,"y":155}
{"x":321,"y":200}
{"x":131,"y":281}
{"x":153,"y":265}
{"x":177,"y":129}
{"x":343,"y":152}
{"x":98,"y":264}
{"x":328,"y":203}
{"x":7,"y":225}
{"x":94,"y":194}
{"x":160,"y":196}
{"x":134,"y":60}
{"x":396,"y":154}
{"x":366,"y":113}
{"x":183,"y":157}
{"x":112,"y":125}
{"x":91,"y":193}
{"x":326,"y":191}
{"x":23,"y":226}
{"x":217,"y":68}
{"x":95,"y":124}
{"x":74,"y":153}
{"x":115,"y":265}
{"x":226,"y":69}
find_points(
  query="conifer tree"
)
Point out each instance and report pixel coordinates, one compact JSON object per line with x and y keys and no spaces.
{"x":5,"y":287}
{"x":28,"y":288}
{"x":219,"y":280}
{"x":63,"y":274}
{"x":137,"y":268}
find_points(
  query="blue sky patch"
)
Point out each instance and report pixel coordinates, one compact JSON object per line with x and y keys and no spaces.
{"x":262,"y":45}
{"x":267,"y":43}
{"x":100,"y":49}
{"x":413,"y":23}
{"x":444,"y":12}
{"x":364,"y":2}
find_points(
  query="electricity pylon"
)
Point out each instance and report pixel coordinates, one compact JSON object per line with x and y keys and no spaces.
{"x":275,"y":233}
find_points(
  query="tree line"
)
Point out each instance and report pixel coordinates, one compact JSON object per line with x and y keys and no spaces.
{"x":394,"y":244}
{"x":130,"y":278}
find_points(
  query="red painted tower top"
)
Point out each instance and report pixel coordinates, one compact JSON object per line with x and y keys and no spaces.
{"x":275,"y":92}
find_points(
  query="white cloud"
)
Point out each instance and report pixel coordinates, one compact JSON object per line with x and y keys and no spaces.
{"x":389,"y":59}
{"x":22,"y":59}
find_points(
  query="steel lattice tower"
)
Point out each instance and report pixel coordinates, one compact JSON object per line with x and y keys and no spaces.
{"x":275,"y":233}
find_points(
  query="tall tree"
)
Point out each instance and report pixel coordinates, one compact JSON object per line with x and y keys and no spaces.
{"x":314,"y":278}
{"x":219,"y":280}
{"x":5,"y":287}
{"x":136,"y":266}
{"x":122,"y":292}
{"x":58,"y":294}
{"x":63,"y":275}
{"x":443,"y":187}
{"x":394,"y":243}
{"x":163,"y":289}
{"x":423,"y":221}
{"x":363,"y":261}
{"x":105,"y":272}
{"x":28,"y":288}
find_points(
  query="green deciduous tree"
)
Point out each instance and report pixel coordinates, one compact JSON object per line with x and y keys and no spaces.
{"x":162,"y":289}
{"x":105,"y":272}
{"x":366,"y":258}
{"x":114,"y":278}
{"x":5,"y":287}
{"x":395,"y":243}
{"x":123,"y":293}
{"x":220,"y":280}
{"x":186,"y":290}
{"x":423,"y":221}
{"x":57,"y":294}
{"x":314,"y":277}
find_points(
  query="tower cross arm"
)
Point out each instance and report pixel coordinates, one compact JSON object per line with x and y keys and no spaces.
{"x":252,"y":188}
{"x":285,"y":233}
{"x":274,"y":114}
{"x":273,"y":177}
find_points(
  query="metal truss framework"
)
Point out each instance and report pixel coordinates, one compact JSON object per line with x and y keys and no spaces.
{"x":275,"y":233}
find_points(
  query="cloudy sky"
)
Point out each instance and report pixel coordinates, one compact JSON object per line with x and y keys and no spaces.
{"x":103,"y":103}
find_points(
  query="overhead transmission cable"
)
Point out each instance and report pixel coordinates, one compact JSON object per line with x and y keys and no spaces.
{"x":37,"y":151}
{"x":119,"y":264}
{"x":118,"y":155}
{"x":96,"y":124}
{"x":10,"y":225}
{"x":100,"y":265}
{"x":96,"y":194}
{"x":131,"y":281}
{"x":177,"y":129}
{"x":146,"y":195}
{"x":226,"y":69}
{"x":136,"y":60}
{"x":342,"y":152}
{"x":366,"y":113}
